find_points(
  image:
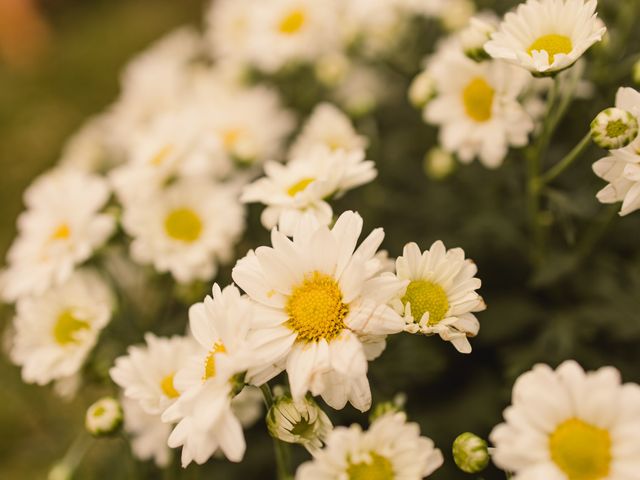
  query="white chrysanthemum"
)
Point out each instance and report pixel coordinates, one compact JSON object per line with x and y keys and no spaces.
{"x":546,"y":36}
{"x":222,"y":326}
{"x":230,"y":28}
{"x":622,"y":167}
{"x":477,"y":106}
{"x":55,"y":332}
{"x":391,"y":448}
{"x":304,"y":185}
{"x":566,"y":424}
{"x":441,"y":295}
{"x":146,"y":373}
{"x":61,"y":228}
{"x":330,"y":127}
{"x":324,"y":305}
{"x":186,"y":229}
{"x":148,"y":434}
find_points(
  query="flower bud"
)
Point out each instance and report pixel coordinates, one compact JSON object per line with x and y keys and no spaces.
{"x":439,"y":164}
{"x":636,"y":72}
{"x":614,"y":128}
{"x":394,"y":406}
{"x":104,"y":417}
{"x":331,"y":69}
{"x":475,"y":36}
{"x":300,"y":422}
{"x":422,"y":89}
{"x":470,"y":452}
{"x":60,"y":471}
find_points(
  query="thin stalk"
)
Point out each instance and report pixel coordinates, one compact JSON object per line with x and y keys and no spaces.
{"x":281,"y":449}
{"x":566,"y":162}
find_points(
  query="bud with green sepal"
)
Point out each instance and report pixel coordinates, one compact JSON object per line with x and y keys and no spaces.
{"x":104,"y":417}
{"x":393,"y":406}
{"x":477,"y":33}
{"x":471,"y":453}
{"x":614,"y":128}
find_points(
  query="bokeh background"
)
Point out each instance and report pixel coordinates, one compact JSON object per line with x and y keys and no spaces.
{"x":59,"y":63}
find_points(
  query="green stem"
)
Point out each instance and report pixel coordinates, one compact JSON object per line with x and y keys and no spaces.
{"x":281,"y":449}
{"x":76,"y":452}
{"x":566,"y":162}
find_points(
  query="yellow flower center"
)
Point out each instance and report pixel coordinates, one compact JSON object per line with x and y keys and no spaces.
{"x":425,"y":296}
{"x":616,"y":128}
{"x":380,"y":468}
{"x":161,"y":155}
{"x":62,"y":232}
{"x":66,"y":327}
{"x":292,"y":22}
{"x":315,"y":308}
{"x":299,"y":186}
{"x":230,"y":138}
{"x":477,"y":98}
{"x":582,"y":451}
{"x":552,"y":44}
{"x":168,"y":388}
{"x":183,"y":224}
{"x":210,"y":362}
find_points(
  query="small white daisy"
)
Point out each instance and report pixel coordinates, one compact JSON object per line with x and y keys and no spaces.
{"x":324,"y":305}
{"x":187,"y":229}
{"x":103,"y":417}
{"x":441,"y":295}
{"x":566,"y":424}
{"x":148,"y":434}
{"x":547,"y":36}
{"x":304,"y":184}
{"x":55,"y":332}
{"x":477,"y":106}
{"x":146,"y":373}
{"x":622,"y":167}
{"x":330,"y":127}
{"x":391,"y":448}
{"x":61,"y":228}
{"x":224,"y":359}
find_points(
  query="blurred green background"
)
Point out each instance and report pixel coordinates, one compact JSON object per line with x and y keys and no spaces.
{"x":583,"y":303}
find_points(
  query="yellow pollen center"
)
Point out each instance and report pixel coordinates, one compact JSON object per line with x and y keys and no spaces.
{"x":299,"y":186}
{"x":315,"y":308}
{"x":426,"y":297}
{"x":161,"y":155}
{"x":292,"y":22}
{"x":62,"y":232}
{"x":582,"y":451}
{"x":477,"y":98}
{"x":552,"y":44}
{"x":66,"y":327}
{"x":230,"y":138}
{"x":380,"y":468}
{"x":168,"y":388}
{"x":183,"y":224}
{"x":210,"y":362}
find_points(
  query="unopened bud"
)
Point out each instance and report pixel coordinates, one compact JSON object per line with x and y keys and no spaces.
{"x":473,"y":38}
{"x":422,"y":89}
{"x":614,"y":128}
{"x":394,"y":406}
{"x":104,"y":417}
{"x":439,"y":164}
{"x":470,"y":452}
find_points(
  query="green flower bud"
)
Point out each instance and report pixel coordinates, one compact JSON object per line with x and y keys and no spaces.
{"x":470,"y":452}
{"x":422,"y":89}
{"x":382,"y":408}
{"x":614,"y":128}
{"x":104,"y":417}
{"x":439,"y":164}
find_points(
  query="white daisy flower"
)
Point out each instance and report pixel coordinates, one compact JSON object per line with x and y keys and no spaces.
{"x":330,"y":127}
{"x":441,"y":295}
{"x":477,"y":106}
{"x":566,"y":424}
{"x":103,"y":417}
{"x":222,"y":326}
{"x":229,"y":29}
{"x":622,"y":167}
{"x":55,"y":332}
{"x":324,"y":307}
{"x":614,"y":128}
{"x":148,"y":434}
{"x":391,"y":448}
{"x":146,"y":373}
{"x":186,"y":229}
{"x":61,"y":228}
{"x":547,"y":36}
{"x":304,"y":184}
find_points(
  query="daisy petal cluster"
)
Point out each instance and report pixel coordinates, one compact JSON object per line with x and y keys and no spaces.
{"x":568,"y":424}
{"x":390,"y":448}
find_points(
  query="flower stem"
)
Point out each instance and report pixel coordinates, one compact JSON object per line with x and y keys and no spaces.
{"x":566,"y":162}
{"x":281,"y":449}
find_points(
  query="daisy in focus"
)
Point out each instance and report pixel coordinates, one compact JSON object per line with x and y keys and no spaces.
{"x":477,"y":106}
{"x":622,"y":167}
{"x":391,"y":448}
{"x":441,"y":295}
{"x":187,"y":229}
{"x":568,"y":424}
{"x":323,"y":307}
{"x":547,"y":36}
{"x":55,"y":332}
{"x":62,"y":227}
{"x":304,"y":185}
